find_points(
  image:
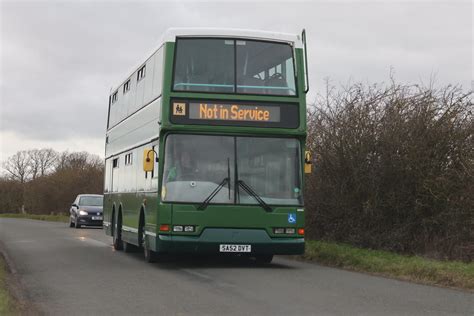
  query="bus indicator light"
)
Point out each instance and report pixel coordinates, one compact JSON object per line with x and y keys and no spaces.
{"x":301,"y":231}
{"x":307,"y":162}
{"x":164,"y":228}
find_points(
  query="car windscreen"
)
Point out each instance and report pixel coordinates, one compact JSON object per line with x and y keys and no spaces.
{"x":91,"y":201}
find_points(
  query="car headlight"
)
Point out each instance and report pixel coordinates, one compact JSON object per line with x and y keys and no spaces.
{"x":81,"y":212}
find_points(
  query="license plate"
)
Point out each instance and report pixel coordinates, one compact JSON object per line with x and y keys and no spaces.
{"x":235,"y":248}
{"x":96,"y":218}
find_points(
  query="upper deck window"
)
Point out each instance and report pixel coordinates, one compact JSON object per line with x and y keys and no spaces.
{"x":234,"y":66}
{"x":265,"y":68}
{"x":141,"y":73}
{"x":205,"y":65}
{"x":126,"y":86}
{"x":115,"y":97}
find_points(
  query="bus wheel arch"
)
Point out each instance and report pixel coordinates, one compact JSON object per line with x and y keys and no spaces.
{"x":117,"y":236}
{"x":141,"y":227}
{"x":150,"y":255}
{"x":112,"y":221}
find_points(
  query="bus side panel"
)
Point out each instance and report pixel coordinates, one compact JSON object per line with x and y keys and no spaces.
{"x":164,"y":217}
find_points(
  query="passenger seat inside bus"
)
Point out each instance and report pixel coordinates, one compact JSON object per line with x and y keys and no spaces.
{"x":251,"y":82}
{"x":277,"y":80}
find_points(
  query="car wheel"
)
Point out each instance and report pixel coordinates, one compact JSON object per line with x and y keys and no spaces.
{"x":264,"y":259}
{"x":117,"y":238}
{"x":76,"y":223}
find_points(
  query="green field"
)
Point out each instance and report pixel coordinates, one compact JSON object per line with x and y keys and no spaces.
{"x":412,"y":268}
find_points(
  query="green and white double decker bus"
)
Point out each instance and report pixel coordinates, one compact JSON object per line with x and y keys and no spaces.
{"x":205,"y":146}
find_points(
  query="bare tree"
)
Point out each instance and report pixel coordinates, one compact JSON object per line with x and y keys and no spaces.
{"x":78,"y":161}
{"x":42,"y":180}
{"x":48,"y":158}
{"x":41,"y":161}
{"x":33,"y":162}
{"x":18,"y":166}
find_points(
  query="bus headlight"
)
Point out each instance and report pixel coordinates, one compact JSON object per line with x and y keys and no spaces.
{"x":177,"y":228}
{"x":289,"y":231}
{"x":183,"y":228}
{"x":279,"y":230}
{"x":284,"y":230}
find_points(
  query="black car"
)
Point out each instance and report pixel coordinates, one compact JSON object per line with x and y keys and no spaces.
{"x":86,"y":210}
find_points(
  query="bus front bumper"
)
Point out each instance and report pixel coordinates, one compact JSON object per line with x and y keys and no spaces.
{"x":210,"y":240}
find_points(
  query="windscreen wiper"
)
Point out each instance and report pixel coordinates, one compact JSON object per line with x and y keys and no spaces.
{"x":206,"y":202}
{"x":250,"y":191}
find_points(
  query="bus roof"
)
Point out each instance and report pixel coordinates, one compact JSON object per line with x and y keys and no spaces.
{"x":171,"y":34}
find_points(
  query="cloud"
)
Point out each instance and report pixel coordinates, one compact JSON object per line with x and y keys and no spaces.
{"x":8,"y":141}
{"x":59,"y":59}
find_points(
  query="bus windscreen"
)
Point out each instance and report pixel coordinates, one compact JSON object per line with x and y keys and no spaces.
{"x":195,"y":165}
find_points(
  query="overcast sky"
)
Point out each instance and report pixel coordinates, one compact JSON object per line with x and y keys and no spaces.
{"x":59,"y":59}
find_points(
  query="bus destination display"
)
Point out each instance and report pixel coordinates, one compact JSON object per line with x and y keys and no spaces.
{"x":234,"y":113}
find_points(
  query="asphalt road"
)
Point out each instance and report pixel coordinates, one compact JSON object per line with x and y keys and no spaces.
{"x":66,"y":271}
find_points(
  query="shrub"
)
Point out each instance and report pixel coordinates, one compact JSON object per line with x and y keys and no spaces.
{"x":393,"y":169}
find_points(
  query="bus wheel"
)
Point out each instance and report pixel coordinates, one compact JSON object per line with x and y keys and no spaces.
{"x":118,"y":244}
{"x":264,"y":259}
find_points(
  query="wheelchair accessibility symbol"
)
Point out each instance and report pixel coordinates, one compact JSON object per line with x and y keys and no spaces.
{"x":291,"y":218}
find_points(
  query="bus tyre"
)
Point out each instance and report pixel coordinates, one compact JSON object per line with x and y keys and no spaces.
{"x":264,"y":259}
{"x":117,"y":237}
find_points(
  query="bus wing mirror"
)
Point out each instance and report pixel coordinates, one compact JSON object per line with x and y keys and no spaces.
{"x":303,"y":39}
{"x":148,"y":160}
{"x":308,"y":163}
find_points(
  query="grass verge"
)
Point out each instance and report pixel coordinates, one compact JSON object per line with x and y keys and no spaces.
{"x":6,"y":301}
{"x":40,"y":217}
{"x":411,"y":268}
